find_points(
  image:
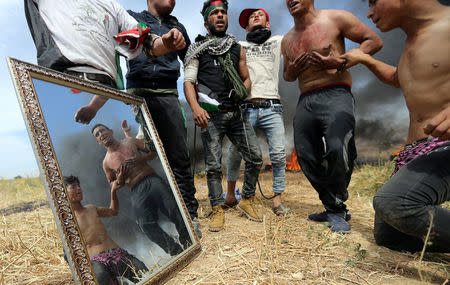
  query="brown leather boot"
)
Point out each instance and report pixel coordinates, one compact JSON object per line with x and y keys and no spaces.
{"x":217,"y":220}
{"x":247,"y":207}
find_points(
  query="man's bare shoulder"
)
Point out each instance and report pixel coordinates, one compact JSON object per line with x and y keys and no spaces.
{"x":443,"y":18}
{"x":90,"y":207}
{"x":291,"y":33}
{"x":106,"y":161}
{"x":336,"y":15}
{"x":128,"y":141}
{"x":87,"y":210}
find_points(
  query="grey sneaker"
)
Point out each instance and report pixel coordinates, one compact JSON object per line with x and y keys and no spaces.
{"x":196,"y":224}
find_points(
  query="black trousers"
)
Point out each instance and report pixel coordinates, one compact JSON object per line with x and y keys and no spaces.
{"x":150,"y":197}
{"x":404,"y":204}
{"x":324,"y":126}
{"x":169,"y":121}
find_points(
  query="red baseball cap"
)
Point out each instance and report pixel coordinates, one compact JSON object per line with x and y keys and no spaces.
{"x":245,"y":14}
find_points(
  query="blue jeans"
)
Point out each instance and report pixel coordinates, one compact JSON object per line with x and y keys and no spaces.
{"x":230,"y":124}
{"x":270,"y":121}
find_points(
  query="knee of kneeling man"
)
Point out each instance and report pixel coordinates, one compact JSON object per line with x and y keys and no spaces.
{"x":380,"y":205}
{"x":379,"y":238}
{"x":387,"y":207}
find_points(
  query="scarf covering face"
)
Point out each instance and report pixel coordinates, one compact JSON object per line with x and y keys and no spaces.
{"x":213,"y":45}
{"x":259,"y":36}
{"x":214,"y":5}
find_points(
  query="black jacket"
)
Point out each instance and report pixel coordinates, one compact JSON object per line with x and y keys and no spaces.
{"x":164,"y":71}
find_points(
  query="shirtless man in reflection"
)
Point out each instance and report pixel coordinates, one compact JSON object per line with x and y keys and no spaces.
{"x":125,"y":163}
{"x":324,"y":121}
{"x":405,"y":205}
{"x":108,"y":259}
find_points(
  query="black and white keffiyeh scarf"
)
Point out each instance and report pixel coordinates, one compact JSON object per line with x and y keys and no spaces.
{"x":212,"y":44}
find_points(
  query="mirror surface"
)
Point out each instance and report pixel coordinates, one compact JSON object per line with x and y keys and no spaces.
{"x":143,"y":235}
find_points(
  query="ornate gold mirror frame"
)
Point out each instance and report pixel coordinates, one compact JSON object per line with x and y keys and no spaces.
{"x":23,"y":73}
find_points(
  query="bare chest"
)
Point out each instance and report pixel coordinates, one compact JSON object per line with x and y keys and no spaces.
{"x":125,"y":151}
{"x":317,"y":37}
{"x":87,"y":220}
{"x":425,"y":62}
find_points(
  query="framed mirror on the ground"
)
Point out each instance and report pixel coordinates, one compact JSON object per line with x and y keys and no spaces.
{"x":112,"y":193}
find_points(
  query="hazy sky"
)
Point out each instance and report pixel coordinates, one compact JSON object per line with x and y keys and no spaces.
{"x":15,"y":148}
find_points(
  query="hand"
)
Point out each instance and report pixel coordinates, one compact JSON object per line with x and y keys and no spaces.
{"x":173,"y":40}
{"x":320,"y":62}
{"x":299,"y":64}
{"x":125,"y":167}
{"x":126,"y":129}
{"x":201,"y":117}
{"x":354,"y":57}
{"x":439,"y":126}
{"x":116,"y":186}
{"x":85,"y":114}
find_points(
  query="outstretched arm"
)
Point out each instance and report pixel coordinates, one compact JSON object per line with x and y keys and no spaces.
{"x":385,"y":72}
{"x":85,"y":114}
{"x":126,"y":129}
{"x":355,"y":30}
{"x":113,"y":209}
{"x":171,"y":41}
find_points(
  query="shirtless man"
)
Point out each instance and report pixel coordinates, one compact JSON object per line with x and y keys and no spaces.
{"x":324,"y":122}
{"x":125,"y":163}
{"x":404,"y":204}
{"x":108,"y":259}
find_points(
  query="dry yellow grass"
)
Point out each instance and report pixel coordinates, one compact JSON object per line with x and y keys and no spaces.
{"x":30,"y":250}
{"x":293,"y":250}
{"x":287,"y":250}
{"x":17,"y":192}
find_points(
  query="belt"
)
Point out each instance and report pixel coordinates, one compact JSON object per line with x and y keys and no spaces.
{"x":152,"y":83}
{"x":260,"y":104}
{"x":101,"y":78}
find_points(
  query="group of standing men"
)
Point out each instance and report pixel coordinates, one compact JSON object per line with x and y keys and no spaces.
{"x":232,"y":88}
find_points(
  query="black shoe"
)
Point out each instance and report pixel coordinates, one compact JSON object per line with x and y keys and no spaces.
{"x":323,"y":217}
{"x":337,"y":223}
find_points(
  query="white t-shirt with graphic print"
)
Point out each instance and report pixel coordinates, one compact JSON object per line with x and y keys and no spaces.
{"x":83,"y":30}
{"x":263,"y":61}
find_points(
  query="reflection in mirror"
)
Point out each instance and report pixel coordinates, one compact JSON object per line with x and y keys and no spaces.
{"x":131,"y":218}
